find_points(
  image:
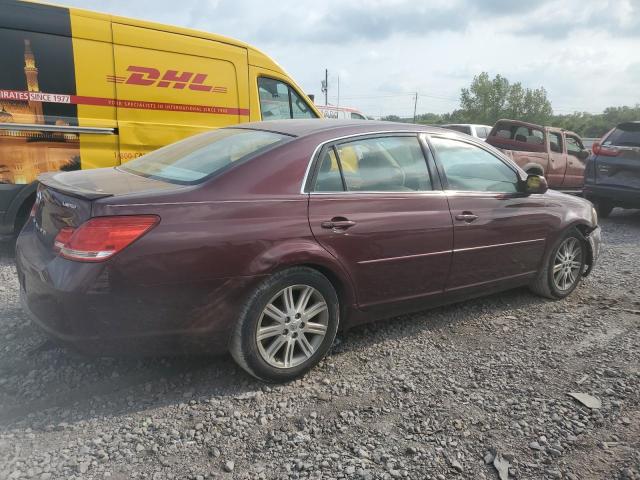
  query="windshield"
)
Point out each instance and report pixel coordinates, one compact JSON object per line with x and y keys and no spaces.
{"x":199,"y":157}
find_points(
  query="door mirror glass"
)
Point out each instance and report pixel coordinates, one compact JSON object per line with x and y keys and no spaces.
{"x":535,"y":184}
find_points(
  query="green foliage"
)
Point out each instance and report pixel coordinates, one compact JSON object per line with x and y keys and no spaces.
{"x":596,"y":125}
{"x":487,"y":100}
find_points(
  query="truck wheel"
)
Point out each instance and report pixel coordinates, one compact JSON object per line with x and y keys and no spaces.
{"x":562,"y":271}
{"x":286,"y":326}
{"x":603,"y":208}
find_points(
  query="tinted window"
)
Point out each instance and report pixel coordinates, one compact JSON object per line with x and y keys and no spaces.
{"x":194,"y":159}
{"x":624,"y":135}
{"x":470,"y":168}
{"x":357,"y":116}
{"x":279,"y":101}
{"x":574,"y":146}
{"x":328,"y":178}
{"x":388,"y":164}
{"x":555,"y":142}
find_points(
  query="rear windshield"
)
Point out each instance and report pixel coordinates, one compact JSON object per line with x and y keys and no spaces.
{"x":195,"y":159}
{"x":625,"y":135}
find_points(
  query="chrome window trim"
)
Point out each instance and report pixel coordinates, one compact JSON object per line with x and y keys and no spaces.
{"x":385,"y":192}
{"x":335,"y":139}
{"x":57,"y":128}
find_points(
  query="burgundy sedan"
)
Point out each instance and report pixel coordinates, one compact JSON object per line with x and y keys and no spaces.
{"x":266,"y":238}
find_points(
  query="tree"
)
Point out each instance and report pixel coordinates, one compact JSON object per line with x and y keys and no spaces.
{"x":487,"y":100}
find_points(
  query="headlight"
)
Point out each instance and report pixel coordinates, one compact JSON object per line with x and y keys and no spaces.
{"x":594,"y":216}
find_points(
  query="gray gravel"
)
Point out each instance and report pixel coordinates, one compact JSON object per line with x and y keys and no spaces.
{"x":465,"y":391}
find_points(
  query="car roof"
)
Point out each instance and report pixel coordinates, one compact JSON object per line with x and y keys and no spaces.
{"x":305,"y":127}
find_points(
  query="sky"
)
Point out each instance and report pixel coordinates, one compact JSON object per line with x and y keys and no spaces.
{"x":380,"y":52}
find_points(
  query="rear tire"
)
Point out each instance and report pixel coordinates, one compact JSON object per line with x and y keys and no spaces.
{"x":287,"y":325}
{"x":562,"y":271}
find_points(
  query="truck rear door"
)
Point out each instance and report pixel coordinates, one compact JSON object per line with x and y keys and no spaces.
{"x":576,"y":156}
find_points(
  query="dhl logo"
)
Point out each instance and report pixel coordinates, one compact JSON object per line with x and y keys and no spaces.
{"x":148,"y":77}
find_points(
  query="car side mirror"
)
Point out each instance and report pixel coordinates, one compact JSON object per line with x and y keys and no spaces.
{"x":583,"y":154}
{"x":535,"y":184}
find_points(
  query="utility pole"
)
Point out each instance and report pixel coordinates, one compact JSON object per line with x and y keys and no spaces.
{"x":415,"y":107}
{"x":325,"y":86}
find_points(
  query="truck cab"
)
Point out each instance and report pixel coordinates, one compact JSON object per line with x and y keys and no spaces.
{"x":557,"y":154}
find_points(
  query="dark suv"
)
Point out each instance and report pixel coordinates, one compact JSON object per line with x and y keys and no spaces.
{"x":612,"y":172}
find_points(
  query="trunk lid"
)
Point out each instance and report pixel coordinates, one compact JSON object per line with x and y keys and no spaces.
{"x":65,"y":199}
{"x":623,"y":168}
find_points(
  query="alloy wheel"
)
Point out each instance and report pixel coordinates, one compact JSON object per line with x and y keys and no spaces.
{"x":567,"y":264}
{"x":292,"y":326}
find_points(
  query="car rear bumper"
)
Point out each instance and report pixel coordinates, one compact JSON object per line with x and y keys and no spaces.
{"x":89,"y":308}
{"x":618,"y":196}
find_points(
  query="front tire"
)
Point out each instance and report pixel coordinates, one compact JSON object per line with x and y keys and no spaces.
{"x":563,"y":269}
{"x":287,"y":326}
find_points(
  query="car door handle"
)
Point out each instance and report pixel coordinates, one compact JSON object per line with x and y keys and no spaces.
{"x":338,"y":224}
{"x":466,"y":217}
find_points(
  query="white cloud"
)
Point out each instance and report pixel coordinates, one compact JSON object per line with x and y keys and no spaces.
{"x":582,"y":51}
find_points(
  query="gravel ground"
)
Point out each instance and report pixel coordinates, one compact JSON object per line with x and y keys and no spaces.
{"x":457,"y":392}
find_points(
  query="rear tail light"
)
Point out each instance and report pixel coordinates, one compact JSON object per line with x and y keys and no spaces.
{"x":102,"y":237}
{"x":599,"y":149}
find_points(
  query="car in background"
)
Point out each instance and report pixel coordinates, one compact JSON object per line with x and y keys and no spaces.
{"x":478,"y":131}
{"x":612,"y":174}
{"x":259,"y":240}
{"x":557,"y":154}
{"x":341,"y":113}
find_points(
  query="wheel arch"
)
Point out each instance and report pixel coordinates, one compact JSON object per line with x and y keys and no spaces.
{"x":21,"y":202}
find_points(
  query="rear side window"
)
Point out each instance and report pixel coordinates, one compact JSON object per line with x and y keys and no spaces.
{"x":193,"y":160}
{"x":387,"y":164}
{"x":470,"y":168}
{"x":279,"y":101}
{"x":624,"y":135}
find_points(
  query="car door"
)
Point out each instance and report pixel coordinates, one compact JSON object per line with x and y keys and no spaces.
{"x":377,"y":208}
{"x":557,"y":167}
{"x":576,"y":158}
{"x":499,"y":233}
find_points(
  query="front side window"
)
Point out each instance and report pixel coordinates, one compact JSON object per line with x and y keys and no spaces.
{"x":278,"y":101}
{"x":555,"y":142}
{"x":574,"y":146}
{"x":386,"y":164}
{"x":357,"y":116}
{"x":473,"y":169}
{"x":194,"y":159}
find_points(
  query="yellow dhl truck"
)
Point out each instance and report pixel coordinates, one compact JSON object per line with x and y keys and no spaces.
{"x":80,"y":90}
